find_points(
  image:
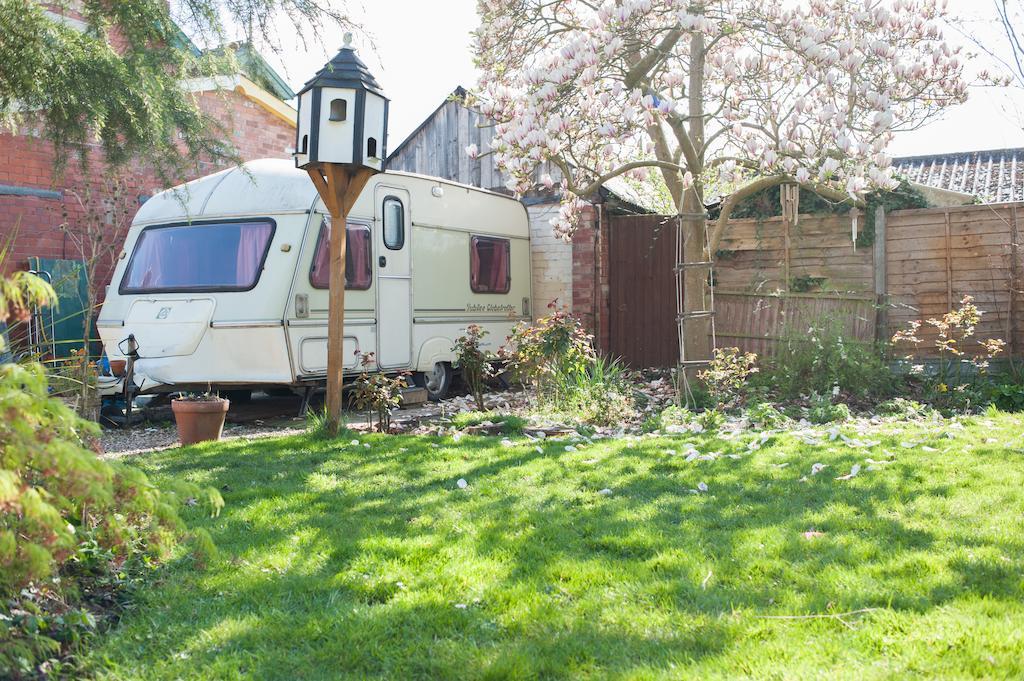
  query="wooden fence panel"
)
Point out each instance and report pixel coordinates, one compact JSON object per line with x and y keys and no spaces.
{"x":932,"y":259}
{"x":757,"y":323}
{"x":752,"y":256}
{"x":935,"y":257}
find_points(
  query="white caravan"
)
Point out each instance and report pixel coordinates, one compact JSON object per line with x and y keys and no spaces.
{"x":223,"y":281}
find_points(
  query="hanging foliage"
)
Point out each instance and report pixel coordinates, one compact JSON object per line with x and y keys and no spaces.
{"x":113,"y":75}
{"x":766,"y":204}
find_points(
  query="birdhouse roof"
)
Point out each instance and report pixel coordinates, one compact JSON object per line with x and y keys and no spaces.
{"x":346,"y":70}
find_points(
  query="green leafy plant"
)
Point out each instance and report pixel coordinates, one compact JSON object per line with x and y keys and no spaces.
{"x":823,"y":410}
{"x":806,"y":283}
{"x":61,"y":505}
{"x":21,"y":291}
{"x":818,"y":355}
{"x":904,"y":409}
{"x":377,"y":393}
{"x":727,"y":374}
{"x":555,"y":361}
{"x":672,"y":415}
{"x":1008,"y":397}
{"x":710,"y":420}
{"x":765,"y":416}
{"x":474,"y":361}
{"x":508,"y":424}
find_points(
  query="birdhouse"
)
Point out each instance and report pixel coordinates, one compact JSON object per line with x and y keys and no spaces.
{"x":343,"y":115}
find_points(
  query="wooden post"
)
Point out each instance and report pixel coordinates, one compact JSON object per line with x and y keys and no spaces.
{"x":1015,"y":282}
{"x":949,"y":265}
{"x":881,"y":278}
{"x":788,"y":205}
{"x":339,"y":187}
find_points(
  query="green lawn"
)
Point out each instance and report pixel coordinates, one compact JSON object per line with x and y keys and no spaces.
{"x":346,"y":561}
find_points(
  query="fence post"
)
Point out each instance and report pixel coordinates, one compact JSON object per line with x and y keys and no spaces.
{"x":881,"y":281}
{"x":949,"y":264}
{"x":1015,"y":281}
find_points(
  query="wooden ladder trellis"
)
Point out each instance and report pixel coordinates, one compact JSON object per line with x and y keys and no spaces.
{"x":682,"y":314}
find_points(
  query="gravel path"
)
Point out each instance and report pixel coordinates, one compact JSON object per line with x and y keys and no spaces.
{"x":151,"y":438}
{"x":262,"y":418}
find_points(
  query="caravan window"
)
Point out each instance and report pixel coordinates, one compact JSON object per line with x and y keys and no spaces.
{"x":394,"y":224}
{"x":489,"y":265}
{"x":219,"y":256}
{"x":358,"y":272}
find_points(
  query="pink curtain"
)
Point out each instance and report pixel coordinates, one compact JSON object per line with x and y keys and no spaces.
{"x":488,"y":265}
{"x":474,"y":266}
{"x":252,"y":241}
{"x":358,"y":270}
{"x":320,"y":276}
{"x":357,"y":266}
{"x":147,"y":270}
{"x":499,"y":266}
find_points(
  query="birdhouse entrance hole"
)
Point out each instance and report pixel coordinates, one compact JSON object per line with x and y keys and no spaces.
{"x":339,"y":110}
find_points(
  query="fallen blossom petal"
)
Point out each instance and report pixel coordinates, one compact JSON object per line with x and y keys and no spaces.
{"x":852,"y":474}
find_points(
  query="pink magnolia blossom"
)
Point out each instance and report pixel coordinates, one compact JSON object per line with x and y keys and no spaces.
{"x":810,"y":91}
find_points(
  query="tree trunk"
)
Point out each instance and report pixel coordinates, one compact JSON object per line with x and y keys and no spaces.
{"x":696,"y":332}
{"x":695,"y":339}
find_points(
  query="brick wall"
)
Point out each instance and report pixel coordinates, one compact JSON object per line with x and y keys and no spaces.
{"x":31,"y":224}
{"x":590,"y":274}
{"x":551,"y":259}
{"x":574,"y":274}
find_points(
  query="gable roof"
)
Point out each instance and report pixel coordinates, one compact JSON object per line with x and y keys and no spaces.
{"x":253,"y":66}
{"x":992,"y":176}
{"x":346,"y":70}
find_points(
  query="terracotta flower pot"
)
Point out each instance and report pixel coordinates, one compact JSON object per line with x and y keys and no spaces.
{"x":199,"y":420}
{"x":117,"y":367}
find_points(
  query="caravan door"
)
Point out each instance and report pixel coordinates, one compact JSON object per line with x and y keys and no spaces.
{"x":394,"y":277}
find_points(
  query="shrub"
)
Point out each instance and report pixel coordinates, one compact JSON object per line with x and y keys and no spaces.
{"x":474,"y":362}
{"x":65,"y":510}
{"x":555,"y":360}
{"x":727,"y":374}
{"x":823,"y":410}
{"x":764,"y":416}
{"x":903,"y":408}
{"x":507,"y":424}
{"x":819,"y":356}
{"x":551,"y":355}
{"x":377,"y":393}
{"x":949,"y":389}
{"x":1008,"y":396}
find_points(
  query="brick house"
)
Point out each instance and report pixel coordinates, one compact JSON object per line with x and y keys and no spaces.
{"x":34,"y":200}
{"x":252,"y":104}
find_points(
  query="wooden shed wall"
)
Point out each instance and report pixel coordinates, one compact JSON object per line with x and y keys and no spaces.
{"x":438,"y":149}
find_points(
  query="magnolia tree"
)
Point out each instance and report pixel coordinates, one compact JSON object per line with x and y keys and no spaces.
{"x":719,"y":99}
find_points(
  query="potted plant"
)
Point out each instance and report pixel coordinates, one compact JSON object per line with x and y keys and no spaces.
{"x":199,"y":416}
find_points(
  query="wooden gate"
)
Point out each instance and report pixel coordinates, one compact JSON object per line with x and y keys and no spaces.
{"x":642,"y":293}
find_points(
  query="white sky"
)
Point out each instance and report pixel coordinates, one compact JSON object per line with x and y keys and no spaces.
{"x":420,"y":51}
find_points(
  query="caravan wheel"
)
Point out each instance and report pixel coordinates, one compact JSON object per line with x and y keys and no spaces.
{"x":437,"y":382}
